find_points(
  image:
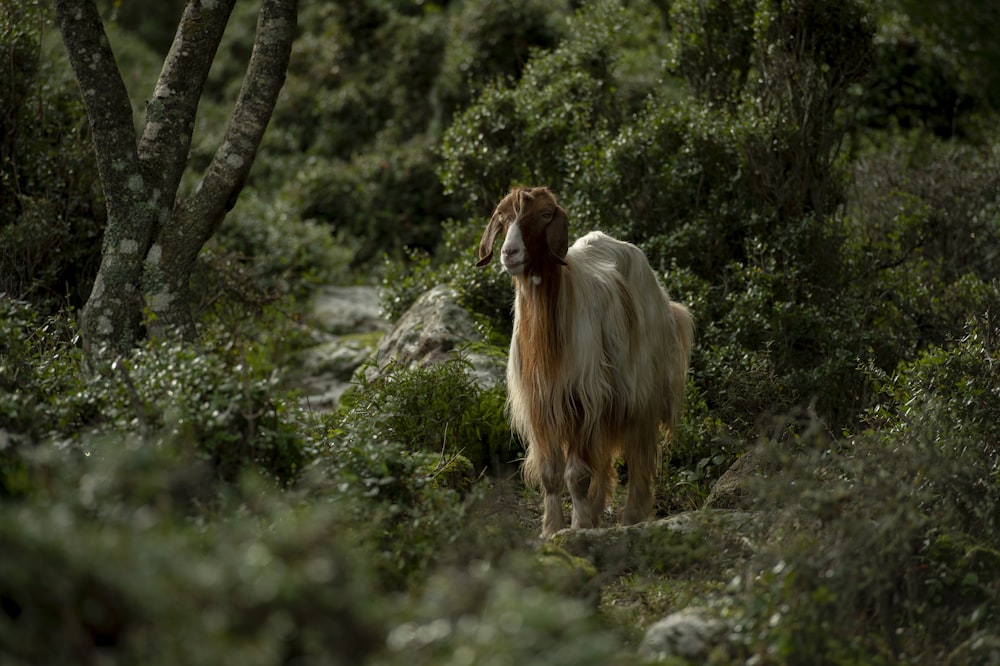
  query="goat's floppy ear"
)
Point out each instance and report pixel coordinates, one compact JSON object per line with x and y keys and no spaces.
{"x":557,"y":235}
{"x":488,"y":240}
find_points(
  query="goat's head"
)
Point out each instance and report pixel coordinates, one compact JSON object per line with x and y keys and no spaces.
{"x":535,"y":232}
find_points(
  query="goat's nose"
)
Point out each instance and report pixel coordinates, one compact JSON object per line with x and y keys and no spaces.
{"x":510,"y":251}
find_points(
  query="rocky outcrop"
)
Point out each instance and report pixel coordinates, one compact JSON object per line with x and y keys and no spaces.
{"x":691,"y":634}
{"x":352,"y":335}
{"x":434,"y":329}
{"x":735,"y":488}
{"x":347,"y":324}
{"x":672,"y":543}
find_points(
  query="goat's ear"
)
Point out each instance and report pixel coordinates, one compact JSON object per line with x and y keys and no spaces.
{"x":488,"y":240}
{"x":557,"y":235}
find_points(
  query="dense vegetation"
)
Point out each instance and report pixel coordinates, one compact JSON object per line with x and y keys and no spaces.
{"x":818,"y":179}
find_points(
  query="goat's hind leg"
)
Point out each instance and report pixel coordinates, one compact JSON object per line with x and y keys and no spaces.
{"x":642,"y":455}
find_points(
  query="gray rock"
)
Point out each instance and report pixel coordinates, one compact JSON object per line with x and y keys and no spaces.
{"x":351,"y":309}
{"x":735,"y":488}
{"x":435,"y":329}
{"x":684,"y":539}
{"x":347,"y":324}
{"x":326,"y":370}
{"x":691,"y":633}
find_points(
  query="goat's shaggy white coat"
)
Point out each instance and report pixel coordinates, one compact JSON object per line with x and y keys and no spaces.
{"x":598,"y":359}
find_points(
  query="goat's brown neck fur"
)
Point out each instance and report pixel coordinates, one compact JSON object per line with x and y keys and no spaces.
{"x":539,"y":336}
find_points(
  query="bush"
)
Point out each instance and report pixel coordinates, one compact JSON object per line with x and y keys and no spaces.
{"x":485,"y":615}
{"x":263,"y":255}
{"x":437,"y":409}
{"x":214,"y":396}
{"x":882,"y":555}
{"x":403,"y":453}
{"x":538,"y":130}
{"x":492,"y":41}
{"x":90,"y":574}
{"x":383,"y":199}
{"x":51,"y":210}
{"x":888,"y":548}
{"x":221,"y":397}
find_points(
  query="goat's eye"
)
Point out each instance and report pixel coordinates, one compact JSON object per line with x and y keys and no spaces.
{"x":546,"y":214}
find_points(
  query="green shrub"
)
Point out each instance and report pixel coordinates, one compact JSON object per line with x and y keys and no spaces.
{"x":438,"y":409}
{"x":214,"y":396}
{"x":888,"y":537}
{"x":403,"y":453}
{"x":95,"y":574}
{"x":386,"y":198}
{"x":221,"y":396}
{"x":482,"y":614}
{"x":265,"y":254}
{"x":879,"y":556}
{"x":51,"y":210}
{"x":538,"y":129}
{"x":404,"y":507}
{"x":39,"y":365}
{"x":913,"y":84}
{"x":712,"y":47}
{"x":492,"y":41}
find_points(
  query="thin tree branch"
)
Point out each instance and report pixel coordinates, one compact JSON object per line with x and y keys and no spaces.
{"x":228,"y":171}
{"x":170,"y":114}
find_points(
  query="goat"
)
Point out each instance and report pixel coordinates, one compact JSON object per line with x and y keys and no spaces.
{"x":598,"y":359}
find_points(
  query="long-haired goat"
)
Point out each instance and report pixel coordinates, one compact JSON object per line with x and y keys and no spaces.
{"x":598,"y":359}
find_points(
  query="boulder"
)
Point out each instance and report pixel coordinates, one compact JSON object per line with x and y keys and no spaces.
{"x":343,"y":310}
{"x":347,"y":324}
{"x":691,"y":634}
{"x":670,"y":544}
{"x":325,"y":371}
{"x":435,"y":329}
{"x":735,"y":488}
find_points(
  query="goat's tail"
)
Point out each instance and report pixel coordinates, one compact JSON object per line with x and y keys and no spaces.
{"x":685,"y":331}
{"x":679,"y":359}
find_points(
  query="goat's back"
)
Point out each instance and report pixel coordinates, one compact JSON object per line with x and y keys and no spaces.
{"x":623,"y":357}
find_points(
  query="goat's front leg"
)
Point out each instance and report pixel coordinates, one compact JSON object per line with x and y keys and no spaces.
{"x":552,"y":494}
{"x":578,"y":479}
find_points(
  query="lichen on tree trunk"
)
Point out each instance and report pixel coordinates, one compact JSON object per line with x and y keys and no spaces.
{"x":153,"y":238}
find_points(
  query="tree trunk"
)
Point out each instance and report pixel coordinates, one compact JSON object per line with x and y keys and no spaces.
{"x":196,"y":219}
{"x":152,"y":240}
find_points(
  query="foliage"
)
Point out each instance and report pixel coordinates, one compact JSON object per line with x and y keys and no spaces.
{"x":484,"y":615}
{"x":220,"y":396}
{"x":960,"y":29}
{"x":108,"y":569}
{"x":51,"y":211}
{"x":384,"y":198}
{"x":403,"y":451}
{"x":438,"y":409}
{"x":370,"y":114}
{"x":264,"y":254}
{"x":817,"y":180}
{"x":527,"y":131}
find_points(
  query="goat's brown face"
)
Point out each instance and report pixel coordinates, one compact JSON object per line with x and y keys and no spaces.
{"x":535,"y":232}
